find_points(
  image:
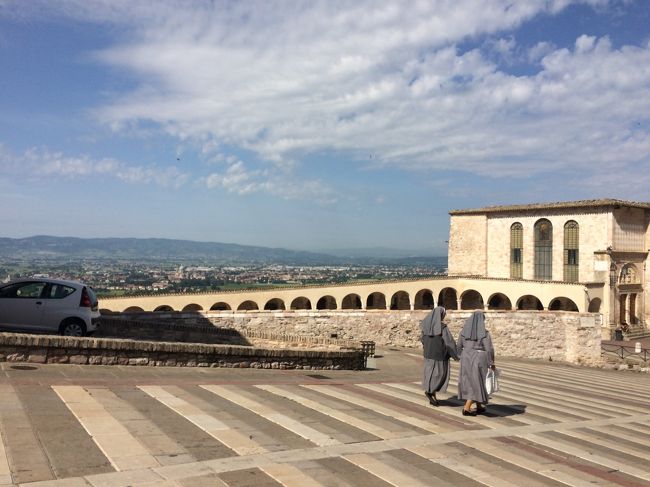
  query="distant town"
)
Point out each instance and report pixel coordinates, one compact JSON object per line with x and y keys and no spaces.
{"x":128,"y":277}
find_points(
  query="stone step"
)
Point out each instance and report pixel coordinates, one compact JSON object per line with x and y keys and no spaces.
{"x":634,"y":335}
{"x":291,"y":429}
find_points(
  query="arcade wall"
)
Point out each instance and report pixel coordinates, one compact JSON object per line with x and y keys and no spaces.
{"x":543,"y":335}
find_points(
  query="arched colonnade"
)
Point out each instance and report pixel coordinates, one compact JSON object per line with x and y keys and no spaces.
{"x":421,"y":299}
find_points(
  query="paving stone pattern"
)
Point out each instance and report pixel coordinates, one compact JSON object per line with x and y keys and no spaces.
{"x":551,"y":424}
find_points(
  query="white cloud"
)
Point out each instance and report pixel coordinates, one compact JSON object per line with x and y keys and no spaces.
{"x":286,"y":79}
{"x":539,"y":50}
{"x":237,"y":178}
{"x":38,"y":163}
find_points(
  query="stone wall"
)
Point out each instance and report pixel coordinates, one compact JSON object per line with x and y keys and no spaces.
{"x":195,"y":328}
{"x":467,"y":247}
{"x":593,"y":230}
{"x":188,"y":331}
{"x":465,"y":250}
{"x":554,"y":335}
{"x":100,"y":351}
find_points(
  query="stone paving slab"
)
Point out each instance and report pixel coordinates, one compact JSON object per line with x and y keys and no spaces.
{"x":552,"y":424}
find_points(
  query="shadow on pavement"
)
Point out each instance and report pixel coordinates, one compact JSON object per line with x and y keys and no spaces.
{"x":493,"y":410}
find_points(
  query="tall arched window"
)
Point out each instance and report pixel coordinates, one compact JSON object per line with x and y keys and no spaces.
{"x":516,"y":249}
{"x":543,"y":250}
{"x":571,"y":251}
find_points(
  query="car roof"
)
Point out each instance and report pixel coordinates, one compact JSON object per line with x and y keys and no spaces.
{"x":46,"y":279}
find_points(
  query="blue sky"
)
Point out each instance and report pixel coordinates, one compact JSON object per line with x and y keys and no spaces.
{"x":314,"y":124}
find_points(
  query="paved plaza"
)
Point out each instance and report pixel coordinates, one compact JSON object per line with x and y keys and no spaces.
{"x":551,"y":424}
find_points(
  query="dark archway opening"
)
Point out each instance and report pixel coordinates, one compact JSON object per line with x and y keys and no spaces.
{"x":471,"y":299}
{"x":499,"y":301}
{"x":376,"y":300}
{"x":400,"y":301}
{"x":448,"y":298}
{"x":326,"y":302}
{"x":424,"y":299}
{"x":351,"y":301}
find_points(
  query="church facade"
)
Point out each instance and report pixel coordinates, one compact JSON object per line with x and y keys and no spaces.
{"x":601,"y":244}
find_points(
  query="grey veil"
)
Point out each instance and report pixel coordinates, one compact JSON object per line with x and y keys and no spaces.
{"x":474,"y":328}
{"x":432,"y":324}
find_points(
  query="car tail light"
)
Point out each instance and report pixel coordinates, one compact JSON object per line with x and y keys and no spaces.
{"x":86,"y":302}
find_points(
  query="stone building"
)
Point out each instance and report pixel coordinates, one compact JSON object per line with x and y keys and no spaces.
{"x":602,"y":244}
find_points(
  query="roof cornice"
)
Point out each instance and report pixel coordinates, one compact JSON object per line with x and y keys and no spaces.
{"x":600,"y":204}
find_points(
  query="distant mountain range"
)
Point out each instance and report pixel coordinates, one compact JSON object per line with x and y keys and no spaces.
{"x":157,"y":249}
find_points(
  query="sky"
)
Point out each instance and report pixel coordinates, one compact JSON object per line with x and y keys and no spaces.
{"x":314,"y":125}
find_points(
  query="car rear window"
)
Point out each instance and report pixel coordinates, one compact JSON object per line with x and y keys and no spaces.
{"x":59,"y":291}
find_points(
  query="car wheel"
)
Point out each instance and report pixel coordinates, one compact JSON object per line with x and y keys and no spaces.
{"x":74,"y":328}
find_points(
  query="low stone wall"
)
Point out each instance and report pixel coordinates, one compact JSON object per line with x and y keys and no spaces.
{"x":196,"y":329}
{"x":545,"y":335}
{"x":100,"y":351}
{"x":188,"y":331}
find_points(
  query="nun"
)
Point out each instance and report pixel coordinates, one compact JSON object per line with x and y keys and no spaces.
{"x":476,"y":357}
{"x":438,"y":346}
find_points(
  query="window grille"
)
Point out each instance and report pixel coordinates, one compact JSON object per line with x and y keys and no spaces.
{"x":516,"y":247}
{"x":543,"y":250}
{"x":571,"y":251}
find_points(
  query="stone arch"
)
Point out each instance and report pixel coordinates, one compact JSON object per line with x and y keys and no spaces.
{"x":400,"y":301}
{"x":351,"y":301}
{"x":562,"y":304}
{"x":628,"y":275}
{"x":529,"y":302}
{"x":424,"y":299}
{"x":471,"y":299}
{"x":220,"y":306}
{"x":448,"y":298}
{"x":133,"y":309}
{"x":499,"y":301}
{"x":163,"y":308}
{"x":274,"y":304}
{"x":192,"y":307}
{"x":376,"y":300}
{"x":594,"y":305}
{"x":300,"y":303}
{"x":326,"y":302}
{"x":248,"y":306}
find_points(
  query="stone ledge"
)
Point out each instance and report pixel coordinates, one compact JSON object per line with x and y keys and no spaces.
{"x":86,"y":350}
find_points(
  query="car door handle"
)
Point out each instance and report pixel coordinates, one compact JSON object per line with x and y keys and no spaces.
{"x":39,"y":302}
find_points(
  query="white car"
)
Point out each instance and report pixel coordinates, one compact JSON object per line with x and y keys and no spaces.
{"x":48,"y":305}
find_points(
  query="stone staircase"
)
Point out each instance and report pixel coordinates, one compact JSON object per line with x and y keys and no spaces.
{"x":635,"y":332}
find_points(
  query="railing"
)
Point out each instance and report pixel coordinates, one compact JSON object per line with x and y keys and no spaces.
{"x":368,"y":348}
{"x":624,"y":352}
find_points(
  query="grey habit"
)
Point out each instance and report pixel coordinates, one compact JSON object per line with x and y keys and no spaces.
{"x":435,"y":376}
{"x":476,"y":356}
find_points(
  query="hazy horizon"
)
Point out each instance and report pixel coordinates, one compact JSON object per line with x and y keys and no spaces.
{"x":387,"y":252}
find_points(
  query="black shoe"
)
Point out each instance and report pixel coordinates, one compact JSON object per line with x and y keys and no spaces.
{"x":432,"y":398}
{"x":480,"y":410}
{"x":468,"y":413}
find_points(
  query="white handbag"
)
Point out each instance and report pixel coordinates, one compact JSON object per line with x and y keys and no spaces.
{"x":492,"y":381}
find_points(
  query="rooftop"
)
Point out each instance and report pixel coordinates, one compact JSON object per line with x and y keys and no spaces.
{"x":558,"y":205}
